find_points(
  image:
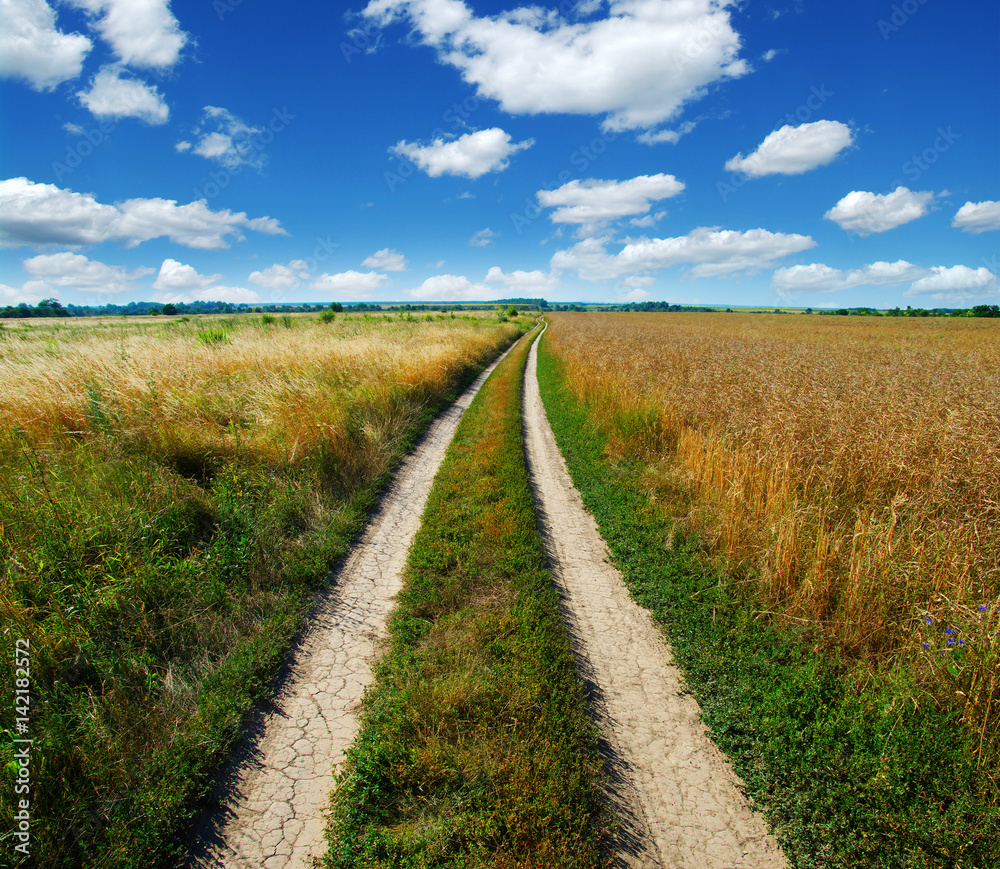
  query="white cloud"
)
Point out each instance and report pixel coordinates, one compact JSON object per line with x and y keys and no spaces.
{"x":710,"y":253}
{"x":976,"y":217}
{"x":534,"y":284}
{"x":471,"y":155}
{"x":75,"y":270}
{"x":231,"y":141}
{"x":112,"y":96}
{"x":178,"y":282}
{"x":794,"y":150}
{"x":820,"y":278}
{"x":30,"y":293}
{"x":591,"y":202}
{"x":453,"y":288}
{"x":867,"y":213}
{"x":638,"y":65}
{"x":43,"y":214}
{"x":387,"y":260}
{"x":350,"y":284}
{"x":141,"y":32}
{"x":956,"y":284}
{"x":32,"y":48}
{"x":483,"y":238}
{"x":280,"y":277}
{"x":671,"y":136}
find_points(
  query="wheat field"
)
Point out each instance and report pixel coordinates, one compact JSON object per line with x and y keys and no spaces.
{"x":849,"y":468}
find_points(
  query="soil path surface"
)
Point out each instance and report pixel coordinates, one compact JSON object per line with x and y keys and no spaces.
{"x":279,"y":781}
{"x":677,"y":799}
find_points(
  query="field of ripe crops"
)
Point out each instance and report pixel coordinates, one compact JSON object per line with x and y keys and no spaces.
{"x":172,"y":492}
{"x":849,"y":468}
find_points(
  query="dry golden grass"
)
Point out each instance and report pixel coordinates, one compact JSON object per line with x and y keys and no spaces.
{"x":850,"y":466}
{"x":274,"y":392}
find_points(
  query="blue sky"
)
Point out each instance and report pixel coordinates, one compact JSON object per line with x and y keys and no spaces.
{"x":769,"y":152}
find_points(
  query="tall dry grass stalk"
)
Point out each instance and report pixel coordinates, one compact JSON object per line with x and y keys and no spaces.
{"x":851,"y":466}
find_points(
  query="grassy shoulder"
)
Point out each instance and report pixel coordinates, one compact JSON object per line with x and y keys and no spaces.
{"x":475,"y":748}
{"x":850,"y":778}
{"x":159,"y":570}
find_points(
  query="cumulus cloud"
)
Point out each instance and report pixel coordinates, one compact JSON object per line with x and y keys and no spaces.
{"x":75,"y":270}
{"x":636,"y":66}
{"x":592,"y":203}
{"x":280,"y":277}
{"x":470,"y":156}
{"x":350,"y":284}
{"x":956,"y":284}
{"x":820,"y":278}
{"x":453,"y":288}
{"x":868,"y":213}
{"x":43,"y":214}
{"x":141,"y":32}
{"x":227,"y":139}
{"x":534,"y":284}
{"x":387,"y":260}
{"x":709,"y":253}
{"x":794,"y":150}
{"x":34,"y":49}
{"x":30,"y":293}
{"x":976,"y":217}
{"x":178,"y":282}
{"x":113,"y":95}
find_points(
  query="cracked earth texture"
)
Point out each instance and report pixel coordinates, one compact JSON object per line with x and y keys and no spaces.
{"x":677,"y":800}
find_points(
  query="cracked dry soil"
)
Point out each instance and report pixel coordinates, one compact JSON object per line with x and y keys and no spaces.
{"x":677,"y":800}
{"x":274,"y":790}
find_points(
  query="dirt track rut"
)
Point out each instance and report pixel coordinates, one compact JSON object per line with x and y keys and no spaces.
{"x":678,"y":801}
{"x":280,"y":779}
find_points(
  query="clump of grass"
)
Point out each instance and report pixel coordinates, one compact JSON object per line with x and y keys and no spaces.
{"x":852,"y":770}
{"x":474,"y":749}
{"x":166,"y":511}
{"x":214,"y":335}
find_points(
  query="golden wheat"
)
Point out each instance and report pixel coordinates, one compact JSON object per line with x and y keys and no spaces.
{"x":851,"y":466}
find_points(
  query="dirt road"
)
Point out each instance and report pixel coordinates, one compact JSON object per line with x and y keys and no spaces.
{"x":280,"y":779}
{"x":679,"y":802}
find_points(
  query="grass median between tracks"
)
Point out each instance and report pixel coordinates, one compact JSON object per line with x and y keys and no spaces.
{"x":475,"y":747}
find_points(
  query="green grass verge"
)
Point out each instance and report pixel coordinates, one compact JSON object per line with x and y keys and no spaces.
{"x":850,"y":778}
{"x":475,"y":748}
{"x":159,"y":609}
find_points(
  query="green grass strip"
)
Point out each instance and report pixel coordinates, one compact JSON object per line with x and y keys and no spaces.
{"x":850,"y":778}
{"x":475,"y":748}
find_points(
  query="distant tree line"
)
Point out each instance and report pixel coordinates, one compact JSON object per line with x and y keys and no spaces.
{"x":53,"y":308}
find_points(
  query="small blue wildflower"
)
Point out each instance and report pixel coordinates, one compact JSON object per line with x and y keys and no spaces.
{"x":951,"y":642}
{"x":983,"y":608}
{"x":949,"y":630}
{"x":961,"y":642}
{"x":926,"y":645}
{"x":929,"y":620}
